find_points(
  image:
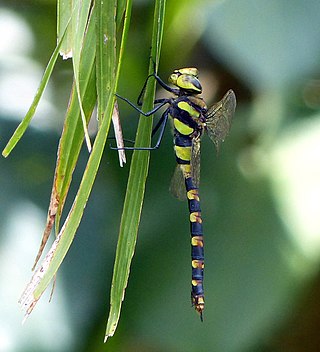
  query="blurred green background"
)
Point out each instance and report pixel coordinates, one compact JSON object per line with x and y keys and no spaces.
{"x":260,"y":196}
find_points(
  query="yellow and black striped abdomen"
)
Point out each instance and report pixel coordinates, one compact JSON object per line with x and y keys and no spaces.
{"x":197,"y":250}
{"x":183,"y":138}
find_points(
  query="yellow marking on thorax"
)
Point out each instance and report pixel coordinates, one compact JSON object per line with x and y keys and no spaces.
{"x":183,"y":153}
{"x":182,"y":127}
{"x":193,"y":194}
{"x":196,"y":217}
{"x":183,"y":105}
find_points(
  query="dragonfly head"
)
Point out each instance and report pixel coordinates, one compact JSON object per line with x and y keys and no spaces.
{"x":186,"y":79}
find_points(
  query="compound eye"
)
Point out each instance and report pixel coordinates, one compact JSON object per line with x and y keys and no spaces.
{"x":173,"y":78}
{"x":189,"y":83}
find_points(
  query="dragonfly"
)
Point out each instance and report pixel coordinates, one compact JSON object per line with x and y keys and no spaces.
{"x":191,"y":119}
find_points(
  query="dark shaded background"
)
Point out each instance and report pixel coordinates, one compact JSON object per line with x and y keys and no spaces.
{"x":260,"y":195}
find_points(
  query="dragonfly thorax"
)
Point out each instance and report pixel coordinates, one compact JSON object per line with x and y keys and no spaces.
{"x":188,"y":113}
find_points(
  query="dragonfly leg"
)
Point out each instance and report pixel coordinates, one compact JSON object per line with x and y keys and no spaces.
{"x":139,"y":100}
{"x":162,"y":102}
{"x":160,"y":125}
{"x":162,"y":84}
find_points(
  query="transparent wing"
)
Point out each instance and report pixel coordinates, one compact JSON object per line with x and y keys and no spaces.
{"x":219,"y":118}
{"x":177,"y":187}
{"x":195,"y":161}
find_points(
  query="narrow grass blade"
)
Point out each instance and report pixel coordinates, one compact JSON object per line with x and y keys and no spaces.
{"x":135,"y":188}
{"x":107,"y":13}
{"x":121,"y":10}
{"x":106,"y":51}
{"x":73,"y":42}
{"x":49,"y":266}
{"x":27,"y":119}
{"x":79,"y":25}
{"x":72,"y":135}
{"x":64,"y":13}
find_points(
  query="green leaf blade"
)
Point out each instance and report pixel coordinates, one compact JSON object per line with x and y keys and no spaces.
{"x":106,"y":51}
{"x":72,"y":136}
{"x":135,"y":189}
{"x":19,"y":132}
{"x":64,"y":13}
{"x":49,"y":266}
